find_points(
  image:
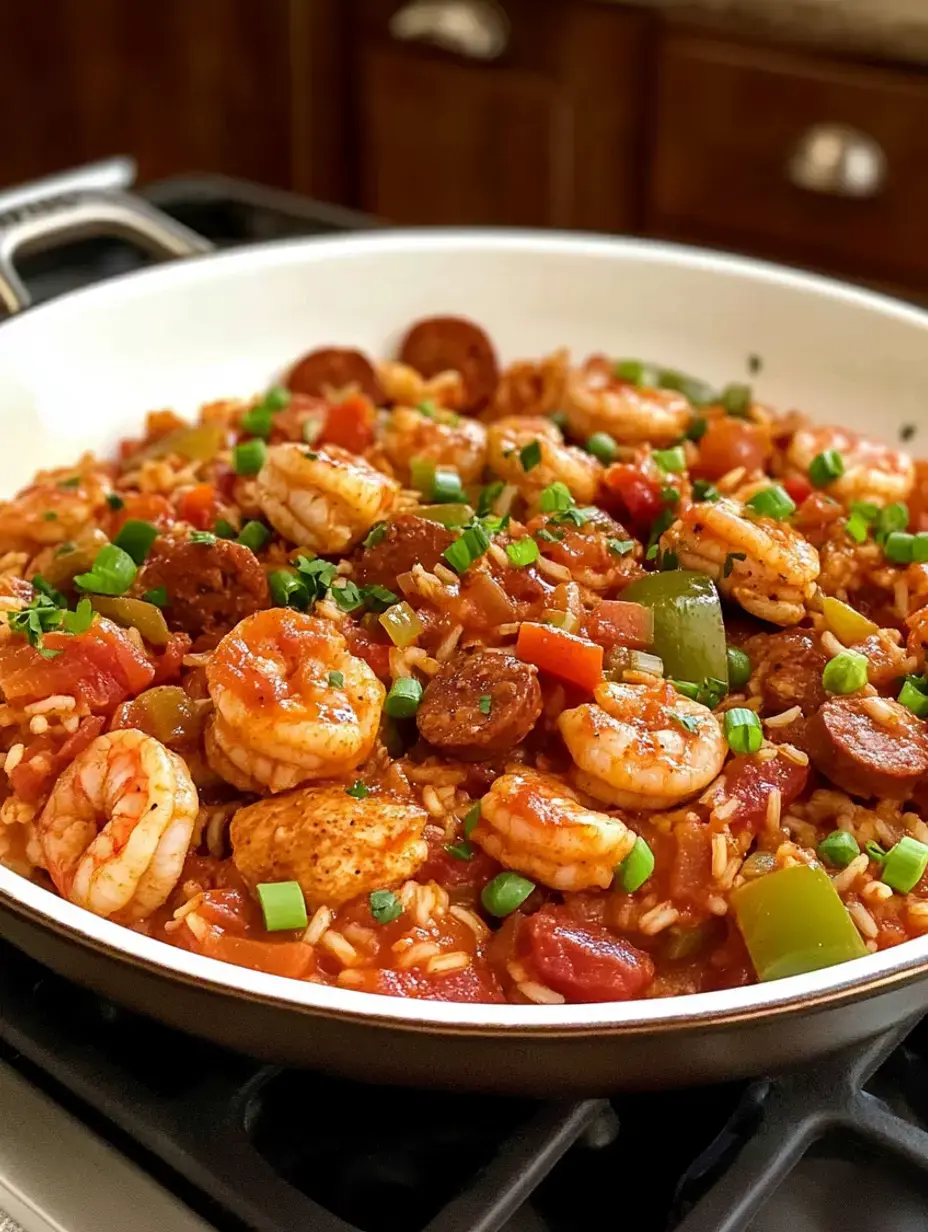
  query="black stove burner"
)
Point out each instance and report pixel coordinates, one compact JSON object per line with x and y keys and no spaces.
{"x":253,"y":1148}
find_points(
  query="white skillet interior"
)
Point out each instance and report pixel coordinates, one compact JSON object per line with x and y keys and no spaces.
{"x":81,"y":372}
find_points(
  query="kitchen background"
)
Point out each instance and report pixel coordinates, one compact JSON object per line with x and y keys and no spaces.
{"x":793,"y":129}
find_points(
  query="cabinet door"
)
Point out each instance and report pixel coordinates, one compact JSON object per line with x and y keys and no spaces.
{"x":544,"y":135}
{"x":184,"y":85}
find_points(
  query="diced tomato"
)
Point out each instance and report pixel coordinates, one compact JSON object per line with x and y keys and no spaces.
{"x":455,"y":874}
{"x":798,"y":487}
{"x":750,"y":780}
{"x":583,"y":962}
{"x":102,"y":666}
{"x":375,"y":653}
{"x":199,"y":506}
{"x":350,"y":424}
{"x":39,"y":766}
{"x":143,"y":507}
{"x":729,"y":443}
{"x":574,"y":659}
{"x":640,"y":494}
{"x":167,"y":665}
{"x":617,"y":623}
{"x":475,"y":984}
{"x":691,"y":870}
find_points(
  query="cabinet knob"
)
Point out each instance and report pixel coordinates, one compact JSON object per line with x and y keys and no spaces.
{"x":838,"y":161}
{"x":475,"y":29}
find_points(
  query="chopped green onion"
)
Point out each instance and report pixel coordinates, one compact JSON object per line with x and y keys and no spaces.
{"x":773,"y":502}
{"x":404,"y":698}
{"x":258,"y":420}
{"x":618,"y":547}
{"x":670,"y":460}
{"x":422,"y":474}
{"x":401,"y":623}
{"x":736,"y":399}
{"x":636,"y":372}
{"x":336,"y":680}
{"x":825,"y":467}
{"x":898,"y":547}
{"x":283,"y":905}
{"x":668,"y":561}
{"x":358,"y":790}
{"x":914,"y":696}
{"x":743,"y":730}
{"x":488,"y":497}
{"x":739,"y":667}
{"x":136,"y":538}
{"x":112,"y":573}
{"x":205,"y":538}
{"x":555,"y":498}
{"x":857,"y":527}
{"x":636,"y":868}
{"x":523,"y":552}
{"x":875,"y":851}
{"x":505,"y":893}
{"x":905,"y":864}
{"x":446,"y":485}
{"x":461,"y":554}
{"x":894,"y":517}
{"x":846,"y":672}
{"x":703,"y":490}
{"x":254,"y":535}
{"x":691,"y":387}
{"x":471,"y":819}
{"x":839,"y":848}
{"x":277,"y":398}
{"x":385,"y":906}
{"x":460,"y":851}
{"x":288,"y":590}
{"x":249,"y":456}
{"x":485,"y":704}
{"x":669,"y":495}
{"x":223,"y":529}
{"x":158,"y":596}
{"x":697,"y":429}
{"x":375,"y":534}
{"x":920,"y":547}
{"x":530,"y":455}
{"x":115,"y":501}
{"x":601,"y":445}
{"x":867,"y":510}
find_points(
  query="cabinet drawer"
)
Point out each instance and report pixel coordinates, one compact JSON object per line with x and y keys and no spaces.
{"x":813,"y":161}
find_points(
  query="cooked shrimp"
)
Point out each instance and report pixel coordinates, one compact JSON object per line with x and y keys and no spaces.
{"x":335,"y":846}
{"x":872,"y":471}
{"x":642,"y":745}
{"x":404,"y":386}
{"x":533,"y":823}
{"x":764,"y":565}
{"x":115,"y":832}
{"x":507,"y":438}
{"x":55,"y":507}
{"x":445,"y":438}
{"x":596,"y":402}
{"x":326,"y":499}
{"x":292,"y":704}
{"x":530,"y":388}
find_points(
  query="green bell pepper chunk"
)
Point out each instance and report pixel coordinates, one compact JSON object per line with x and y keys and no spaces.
{"x":689,"y":633}
{"x":793,"y":921}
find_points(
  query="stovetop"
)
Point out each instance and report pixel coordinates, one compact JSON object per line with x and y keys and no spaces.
{"x":252,"y":1148}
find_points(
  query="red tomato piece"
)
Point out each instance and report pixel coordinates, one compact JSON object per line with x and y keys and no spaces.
{"x":752,"y":780}
{"x":350,"y":424}
{"x":32,"y":779}
{"x":583,"y":962}
{"x":640,"y":494}
{"x":729,"y":443}
{"x":798,"y":488}
{"x":475,"y":985}
{"x":691,"y":870}
{"x":454,"y":874}
{"x":142,"y":507}
{"x":167,"y":665}
{"x":103,"y":666}
{"x":617,"y":623}
{"x":376,"y":654}
{"x":199,"y":506}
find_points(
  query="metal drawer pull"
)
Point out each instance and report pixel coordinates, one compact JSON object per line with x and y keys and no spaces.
{"x":839,"y":161}
{"x":477,"y":29}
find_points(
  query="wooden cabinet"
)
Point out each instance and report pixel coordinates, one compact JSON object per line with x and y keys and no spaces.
{"x":548,"y":134}
{"x":184,"y":85}
{"x":792,"y":156}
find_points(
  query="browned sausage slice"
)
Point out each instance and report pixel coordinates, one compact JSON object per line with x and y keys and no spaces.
{"x":334,"y":368}
{"x":440,"y":344}
{"x":480,"y":706}
{"x":406,"y":541}
{"x":210,"y":587}
{"x":868,"y":746}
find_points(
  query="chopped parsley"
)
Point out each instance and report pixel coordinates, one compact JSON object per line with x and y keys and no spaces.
{"x":204,"y":537}
{"x":385,"y":906}
{"x":336,"y":680}
{"x":530,"y":455}
{"x":730,"y":562}
{"x":358,"y":790}
{"x":620,"y":547}
{"x":485,"y":704}
{"x":375,"y":534}
{"x":115,"y":501}
{"x":686,"y":721}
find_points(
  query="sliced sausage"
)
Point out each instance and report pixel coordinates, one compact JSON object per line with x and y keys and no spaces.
{"x":334,"y":368}
{"x":210,"y":587}
{"x":406,"y":541}
{"x":443,"y":344}
{"x":788,"y":667}
{"x":583,"y":962}
{"x":480,"y":706}
{"x":864,"y":753}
